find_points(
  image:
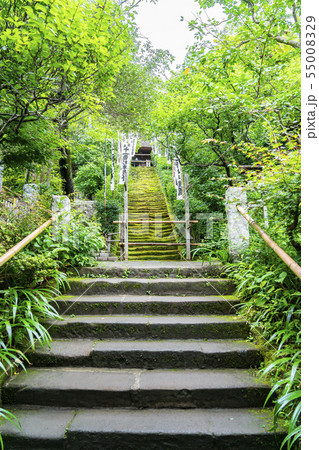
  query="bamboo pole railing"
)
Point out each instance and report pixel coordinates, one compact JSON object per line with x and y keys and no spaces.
{"x":272,"y":244}
{"x":14,"y":250}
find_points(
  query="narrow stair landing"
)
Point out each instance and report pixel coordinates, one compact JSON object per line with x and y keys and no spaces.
{"x":159,"y":362}
{"x":147,"y":202}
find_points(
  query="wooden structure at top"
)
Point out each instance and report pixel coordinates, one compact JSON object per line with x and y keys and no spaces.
{"x":143,"y":156}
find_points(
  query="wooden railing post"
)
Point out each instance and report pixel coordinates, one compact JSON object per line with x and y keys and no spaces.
{"x":126,"y":219}
{"x":121,"y":221}
{"x":108,"y":238}
{"x":187,"y":220}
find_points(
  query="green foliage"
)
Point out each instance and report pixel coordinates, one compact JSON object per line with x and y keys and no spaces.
{"x":133,"y":97}
{"x":73,"y":244}
{"x":17,"y":224}
{"x":30,"y":270}
{"x":278,"y":186}
{"x":22,"y":311}
{"x":89,"y":179}
{"x":34,"y":142}
{"x":54,"y":52}
{"x":272,"y":304}
{"x":7,"y":415}
{"x":280,"y":19}
{"x":107,"y":214}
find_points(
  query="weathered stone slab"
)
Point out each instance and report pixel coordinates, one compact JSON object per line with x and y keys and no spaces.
{"x":160,"y":269}
{"x":142,"y":286}
{"x":31,"y":192}
{"x":200,"y":429}
{"x":40,"y":428}
{"x":148,"y":354}
{"x":95,"y":387}
{"x":87,"y":207}
{"x":150,"y":327}
{"x":147,"y":304}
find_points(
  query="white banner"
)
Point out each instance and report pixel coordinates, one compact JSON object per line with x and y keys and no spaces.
{"x":125,"y":162}
{"x":112,"y":168}
{"x":128,"y":150}
{"x":133,"y":142}
{"x":178,"y":178}
{"x":119,"y":149}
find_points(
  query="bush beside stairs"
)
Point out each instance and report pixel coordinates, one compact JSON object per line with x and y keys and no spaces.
{"x":147,"y":202}
{"x":151,"y":359}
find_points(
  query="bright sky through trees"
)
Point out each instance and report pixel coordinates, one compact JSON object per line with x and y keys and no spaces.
{"x":162,"y":25}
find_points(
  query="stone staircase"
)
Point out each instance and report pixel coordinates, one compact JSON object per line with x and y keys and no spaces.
{"x":156,"y":362}
{"x":147,"y":202}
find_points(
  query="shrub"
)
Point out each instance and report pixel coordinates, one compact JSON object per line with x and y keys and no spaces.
{"x":272,"y":304}
{"x":29,"y":270}
{"x":107,"y":214}
{"x":73,"y":244}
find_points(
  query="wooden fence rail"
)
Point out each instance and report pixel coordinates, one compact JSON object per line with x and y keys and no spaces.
{"x":14,"y":250}
{"x":272,"y":244}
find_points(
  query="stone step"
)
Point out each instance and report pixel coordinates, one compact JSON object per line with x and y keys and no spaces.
{"x":149,"y":225}
{"x":148,"y":354}
{"x":165,"y":269}
{"x":150,"y":327}
{"x":150,"y":256}
{"x":159,"y":388}
{"x":143,"y":237}
{"x":154,"y":250}
{"x":143,"y":286}
{"x":146,"y":304}
{"x":151,"y":429}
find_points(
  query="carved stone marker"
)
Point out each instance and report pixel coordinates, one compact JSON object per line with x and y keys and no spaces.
{"x":30,"y":192}
{"x":238,"y":228}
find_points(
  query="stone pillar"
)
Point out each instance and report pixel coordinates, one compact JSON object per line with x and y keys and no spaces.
{"x":238,"y":227}
{"x":61,"y":204}
{"x":30,"y":192}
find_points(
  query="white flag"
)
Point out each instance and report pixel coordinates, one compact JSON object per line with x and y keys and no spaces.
{"x":112,"y":168}
{"x":125,"y":162}
{"x":178,"y":179}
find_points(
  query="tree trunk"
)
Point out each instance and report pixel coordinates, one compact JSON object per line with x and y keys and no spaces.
{"x":65,"y":164}
{"x":227,"y":168}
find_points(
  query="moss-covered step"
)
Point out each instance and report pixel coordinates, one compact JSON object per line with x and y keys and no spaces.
{"x":158,"y":388}
{"x":154,"y":269}
{"x":147,"y":354}
{"x":146,"y":304}
{"x":158,"y":256}
{"x":143,"y":286}
{"x":149,"y":327}
{"x":147,"y":202}
{"x":144,"y":251}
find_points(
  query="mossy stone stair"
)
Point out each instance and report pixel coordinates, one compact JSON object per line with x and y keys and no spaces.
{"x":166,"y":368}
{"x":147,"y":202}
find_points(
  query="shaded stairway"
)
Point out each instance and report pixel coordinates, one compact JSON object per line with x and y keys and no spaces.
{"x":147,"y":202}
{"x":144,"y":363}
